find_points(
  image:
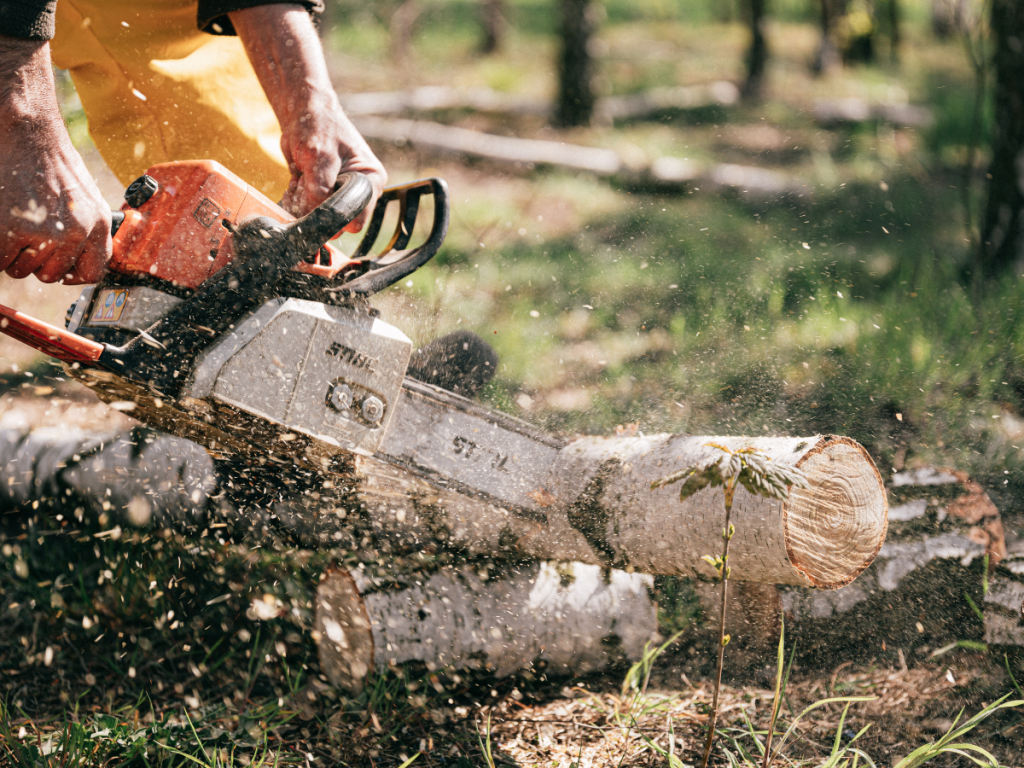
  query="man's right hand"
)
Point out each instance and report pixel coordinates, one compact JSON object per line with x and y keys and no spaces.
{"x":54,"y":222}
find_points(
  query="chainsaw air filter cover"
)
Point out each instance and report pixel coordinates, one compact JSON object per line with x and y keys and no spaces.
{"x":333,"y":373}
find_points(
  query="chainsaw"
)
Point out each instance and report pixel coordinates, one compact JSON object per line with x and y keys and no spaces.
{"x":225,"y":320}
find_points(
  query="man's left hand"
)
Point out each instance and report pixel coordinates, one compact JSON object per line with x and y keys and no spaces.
{"x":318,"y":140}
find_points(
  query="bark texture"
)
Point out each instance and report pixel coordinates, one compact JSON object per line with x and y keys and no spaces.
{"x":1002,"y":237}
{"x":576,"y":98}
{"x":1004,"y":604}
{"x":569,"y":618}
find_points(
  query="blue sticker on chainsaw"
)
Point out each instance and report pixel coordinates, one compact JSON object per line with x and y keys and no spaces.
{"x":109,"y":305}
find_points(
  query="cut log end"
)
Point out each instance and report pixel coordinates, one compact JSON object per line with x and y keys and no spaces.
{"x":345,"y":642}
{"x":835,"y":527}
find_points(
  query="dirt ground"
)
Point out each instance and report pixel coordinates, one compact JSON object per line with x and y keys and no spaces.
{"x":592,"y":722}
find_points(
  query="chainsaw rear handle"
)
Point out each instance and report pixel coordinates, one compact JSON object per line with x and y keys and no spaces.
{"x":394,"y":262}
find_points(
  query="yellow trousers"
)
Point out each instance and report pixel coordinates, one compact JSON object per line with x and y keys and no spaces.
{"x":156,"y":89}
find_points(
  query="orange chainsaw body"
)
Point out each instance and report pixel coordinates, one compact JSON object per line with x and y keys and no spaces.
{"x":180,"y":234}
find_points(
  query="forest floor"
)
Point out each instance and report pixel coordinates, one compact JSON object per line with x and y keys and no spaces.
{"x":846,"y":311}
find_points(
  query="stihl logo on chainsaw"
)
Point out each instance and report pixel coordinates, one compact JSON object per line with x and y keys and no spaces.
{"x":351,"y":356}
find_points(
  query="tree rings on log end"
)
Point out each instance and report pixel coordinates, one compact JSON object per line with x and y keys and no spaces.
{"x":835,"y":527}
{"x":344,"y":639}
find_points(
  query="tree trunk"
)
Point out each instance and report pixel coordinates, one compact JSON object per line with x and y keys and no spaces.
{"x":570,"y":618}
{"x":403,"y":23}
{"x":757,"y":54}
{"x":895,"y":31}
{"x":1002,"y":241}
{"x":949,"y":17}
{"x":576,"y":97}
{"x":494,"y":23}
{"x":827,"y":59}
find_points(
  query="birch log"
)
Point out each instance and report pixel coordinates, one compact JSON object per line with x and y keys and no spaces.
{"x":460,"y":483}
{"x":591,"y":501}
{"x":1004,"y":603}
{"x":571,"y":617}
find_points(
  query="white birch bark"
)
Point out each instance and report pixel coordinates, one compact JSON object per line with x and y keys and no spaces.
{"x":1004,"y":603}
{"x":591,"y":501}
{"x":574,"y":618}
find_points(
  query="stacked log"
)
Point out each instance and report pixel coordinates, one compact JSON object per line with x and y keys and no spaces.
{"x":566,"y":618}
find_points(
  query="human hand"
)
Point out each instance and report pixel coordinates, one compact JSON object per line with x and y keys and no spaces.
{"x":319,"y":147}
{"x":57,"y":223}
{"x":318,"y":140}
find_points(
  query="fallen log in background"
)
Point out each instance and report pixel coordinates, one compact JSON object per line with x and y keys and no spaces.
{"x":570,"y":618}
{"x":663,"y":174}
{"x":832,"y":112}
{"x":634,"y":106}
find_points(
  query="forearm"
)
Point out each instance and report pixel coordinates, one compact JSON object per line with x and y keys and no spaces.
{"x":26,"y":82}
{"x":285,"y":52}
{"x":318,"y":141}
{"x":42,"y":172}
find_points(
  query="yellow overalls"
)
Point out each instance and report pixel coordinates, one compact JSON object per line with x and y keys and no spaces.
{"x":155,"y":89}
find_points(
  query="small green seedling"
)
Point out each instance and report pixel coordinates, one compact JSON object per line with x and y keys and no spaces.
{"x":752,"y":469}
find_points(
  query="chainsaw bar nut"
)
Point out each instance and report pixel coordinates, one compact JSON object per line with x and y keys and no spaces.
{"x":140,"y":190}
{"x":373,"y":409}
{"x":341,"y":397}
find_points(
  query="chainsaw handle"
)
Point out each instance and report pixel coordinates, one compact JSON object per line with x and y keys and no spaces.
{"x":307,"y":235}
{"x":394,"y":262}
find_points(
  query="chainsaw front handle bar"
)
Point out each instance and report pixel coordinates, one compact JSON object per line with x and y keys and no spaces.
{"x":395,"y":262}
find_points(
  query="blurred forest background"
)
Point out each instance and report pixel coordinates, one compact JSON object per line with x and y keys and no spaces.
{"x":831,"y":246}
